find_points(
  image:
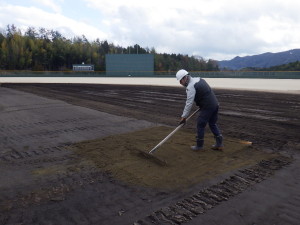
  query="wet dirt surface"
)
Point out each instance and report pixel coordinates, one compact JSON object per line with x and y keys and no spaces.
{"x":66,"y":193}
{"x":269,"y":120}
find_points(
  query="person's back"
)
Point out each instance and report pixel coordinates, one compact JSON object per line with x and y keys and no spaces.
{"x":205,"y":97}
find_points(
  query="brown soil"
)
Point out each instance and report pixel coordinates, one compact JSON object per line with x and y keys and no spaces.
{"x":105,"y":182}
{"x":119,"y":155}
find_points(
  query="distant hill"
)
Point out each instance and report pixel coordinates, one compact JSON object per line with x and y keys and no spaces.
{"x":264,"y":60}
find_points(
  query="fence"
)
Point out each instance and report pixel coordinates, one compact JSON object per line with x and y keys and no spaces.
{"x":204,"y":74}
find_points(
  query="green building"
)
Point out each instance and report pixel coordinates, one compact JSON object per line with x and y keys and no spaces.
{"x":137,"y":65}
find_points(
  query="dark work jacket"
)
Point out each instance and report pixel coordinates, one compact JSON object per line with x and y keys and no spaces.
{"x":200,"y":92}
{"x":205,"y":97}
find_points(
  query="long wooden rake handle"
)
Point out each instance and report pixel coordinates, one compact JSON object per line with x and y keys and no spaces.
{"x":173,"y":132}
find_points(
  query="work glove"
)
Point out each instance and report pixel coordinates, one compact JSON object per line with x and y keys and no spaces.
{"x":182,"y":121}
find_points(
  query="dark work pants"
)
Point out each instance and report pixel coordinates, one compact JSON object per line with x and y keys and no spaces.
{"x":210,"y":116}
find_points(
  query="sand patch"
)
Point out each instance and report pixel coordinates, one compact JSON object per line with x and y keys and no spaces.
{"x":117,"y":155}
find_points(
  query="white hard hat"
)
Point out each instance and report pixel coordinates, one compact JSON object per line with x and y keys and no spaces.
{"x":181,"y":74}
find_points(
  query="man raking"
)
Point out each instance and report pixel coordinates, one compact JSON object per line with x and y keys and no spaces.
{"x":198,"y":91}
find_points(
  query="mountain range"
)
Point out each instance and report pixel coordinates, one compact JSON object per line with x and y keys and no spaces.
{"x":264,"y":60}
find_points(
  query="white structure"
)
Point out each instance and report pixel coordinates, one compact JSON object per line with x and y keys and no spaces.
{"x":83,"y":67}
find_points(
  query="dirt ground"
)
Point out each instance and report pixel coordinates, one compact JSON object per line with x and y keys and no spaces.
{"x":119,"y":154}
{"x":95,"y":185}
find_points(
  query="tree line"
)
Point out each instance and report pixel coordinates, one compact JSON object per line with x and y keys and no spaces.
{"x":293,"y":66}
{"x":48,"y":50}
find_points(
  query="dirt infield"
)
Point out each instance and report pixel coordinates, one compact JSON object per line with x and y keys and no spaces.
{"x":184,"y":168}
{"x":101,"y":181}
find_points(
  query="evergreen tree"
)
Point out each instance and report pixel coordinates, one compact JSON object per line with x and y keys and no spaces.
{"x":43,"y":50}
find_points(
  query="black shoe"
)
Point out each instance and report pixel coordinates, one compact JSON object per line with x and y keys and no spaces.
{"x":196,"y":148}
{"x":199,"y":145}
{"x":219,"y":143}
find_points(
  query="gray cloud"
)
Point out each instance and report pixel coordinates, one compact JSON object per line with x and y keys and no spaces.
{"x":218,"y":29}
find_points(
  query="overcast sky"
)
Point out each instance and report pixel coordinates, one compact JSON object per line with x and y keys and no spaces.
{"x":213,"y":29}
